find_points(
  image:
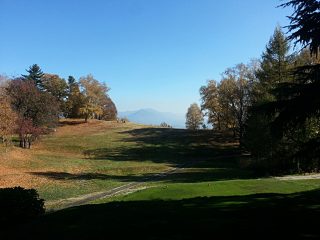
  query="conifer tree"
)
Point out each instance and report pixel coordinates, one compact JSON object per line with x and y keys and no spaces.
{"x":274,"y":70}
{"x":35,"y":75}
{"x":275,"y":65}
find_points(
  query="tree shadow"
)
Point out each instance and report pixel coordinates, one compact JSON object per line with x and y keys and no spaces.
{"x":71,"y":122}
{"x":181,"y":176}
{"x":172,"y":146}
{"x":256,"y":216}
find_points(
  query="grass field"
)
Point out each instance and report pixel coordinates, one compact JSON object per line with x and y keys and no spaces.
{"x":79,"y":158}
{"x":83,"y":158}
{"x":212,"y":192}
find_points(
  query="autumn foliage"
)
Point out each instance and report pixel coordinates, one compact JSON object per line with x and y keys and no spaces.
{"x":31,"y":105}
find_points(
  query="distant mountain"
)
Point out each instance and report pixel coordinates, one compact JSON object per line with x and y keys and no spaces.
{"x":153,"y":117}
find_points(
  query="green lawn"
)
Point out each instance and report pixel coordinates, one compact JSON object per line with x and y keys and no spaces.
{"x":101,"y":157}
{"x":179,"y":191}
{"x":212,"y":197}
{"x":252,"y":216}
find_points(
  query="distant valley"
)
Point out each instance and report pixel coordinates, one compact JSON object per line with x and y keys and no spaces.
{"x":153,"y":117}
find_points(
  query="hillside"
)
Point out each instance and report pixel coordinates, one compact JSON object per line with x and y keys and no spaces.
{"x":83,"y":158}
{"x":65,"y":163}
{"x":177,"y":178}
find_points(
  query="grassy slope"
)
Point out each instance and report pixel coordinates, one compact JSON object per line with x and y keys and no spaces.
{"x":212,"y":196}
{"x":80,"y":170}
{"x":78,"y":159}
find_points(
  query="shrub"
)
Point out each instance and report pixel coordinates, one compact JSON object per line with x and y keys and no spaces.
{"x":165,"y":125}
{"x":19,"y":205}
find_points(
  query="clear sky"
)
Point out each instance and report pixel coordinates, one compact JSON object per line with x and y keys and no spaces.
{"x":151,"y":53}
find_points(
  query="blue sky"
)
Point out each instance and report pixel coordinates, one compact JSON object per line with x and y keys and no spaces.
{"x":151,"y":53}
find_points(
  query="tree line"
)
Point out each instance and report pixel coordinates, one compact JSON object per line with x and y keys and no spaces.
{"x":31,"y":105}
{"x":272,"y":104}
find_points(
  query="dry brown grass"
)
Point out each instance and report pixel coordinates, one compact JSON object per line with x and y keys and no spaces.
{"x":15,"y":165}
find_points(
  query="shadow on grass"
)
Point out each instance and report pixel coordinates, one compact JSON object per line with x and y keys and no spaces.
{"x":71,"y":122}
{"x":172,"y":146}
{"x":204,"y":155}
{"x":183,"y":176}
{"x":257,"y":216}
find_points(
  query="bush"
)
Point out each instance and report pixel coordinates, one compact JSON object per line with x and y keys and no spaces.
{"x":165,"y":125}
{"x":19,"y":205}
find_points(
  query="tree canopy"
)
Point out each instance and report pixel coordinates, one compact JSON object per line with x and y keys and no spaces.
{"x":194,"y":117}
{"x":304,"y":24}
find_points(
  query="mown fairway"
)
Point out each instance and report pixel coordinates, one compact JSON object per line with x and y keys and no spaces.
{"x":211,"y":193}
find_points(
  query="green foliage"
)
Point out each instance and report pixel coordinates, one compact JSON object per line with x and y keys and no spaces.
{"x":304,"y":23}
{"x":274,"y":70}
{"x":290,"y":96}
{"x":75,"y":99}
{"x":56,"y":86}
{"x":298,"y":103}
{"x":274,"y":67}
{"x":35,"y":75}
{"x":19,"y":205}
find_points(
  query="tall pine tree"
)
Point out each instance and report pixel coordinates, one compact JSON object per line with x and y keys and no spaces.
{"x":299,"y":106}
{"x":295,"y":113}
{"x":35,"y":75}
{"x":274,"y":70}
{"x":275,"y":65}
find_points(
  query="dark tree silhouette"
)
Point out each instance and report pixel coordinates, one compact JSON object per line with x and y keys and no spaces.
{"x":297,"y":105}
{"x":304,"y":23}
{"x":301,"y":100}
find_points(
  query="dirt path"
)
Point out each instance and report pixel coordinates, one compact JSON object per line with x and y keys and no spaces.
{"x":77,"y":201}
{"x":299,"y":177}
{"x":127,"y":188}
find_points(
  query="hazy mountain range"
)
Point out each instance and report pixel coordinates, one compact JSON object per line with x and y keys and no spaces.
{"x":153,"y":117}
